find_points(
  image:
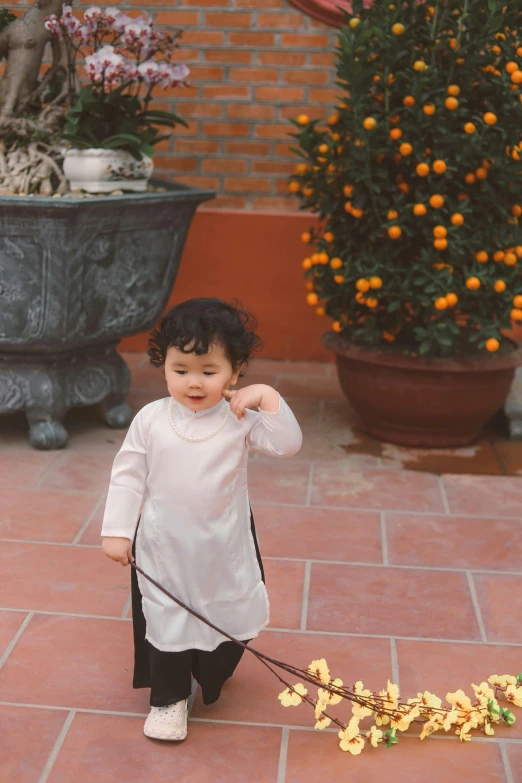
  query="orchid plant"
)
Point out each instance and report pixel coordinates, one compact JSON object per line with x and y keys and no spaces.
{"x":122,"y":58}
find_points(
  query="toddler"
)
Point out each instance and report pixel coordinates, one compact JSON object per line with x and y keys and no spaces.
{"x":184,"y":465}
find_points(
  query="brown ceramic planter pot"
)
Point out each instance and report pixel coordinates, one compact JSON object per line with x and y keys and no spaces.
{"x":422,"y":402}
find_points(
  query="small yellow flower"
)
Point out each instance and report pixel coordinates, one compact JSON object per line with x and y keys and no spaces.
{"x":450,"y":718}
{"x":405,"y":716}
{"x":360,"y":690}
{"x":459,"y":700}
{"x":514,"y":695}
{"x":375,"y":736}
{"x":488,"y":729}
{"x":331,"y":698}
{"x":294,"y":697}
{"x":361,"y":712}
{"x":392,"y":691}
{"x":322,"y":723}
{"x":431,"y":726}
{"x":483,"y":690}
{"x":351,"y":740}
{"x":319,"y":669}
{"x":429,"y":700}
{"x":321,"y":703}
{"x":501,"y":681}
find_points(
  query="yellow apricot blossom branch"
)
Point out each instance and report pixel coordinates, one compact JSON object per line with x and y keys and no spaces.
{"x":393,"y":715}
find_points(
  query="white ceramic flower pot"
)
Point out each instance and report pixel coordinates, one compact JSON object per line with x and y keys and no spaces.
{"x":102,"y":171}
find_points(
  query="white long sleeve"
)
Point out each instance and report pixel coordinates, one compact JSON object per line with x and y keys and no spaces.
{"x":128,"y":481}
{"x":276,"y":433}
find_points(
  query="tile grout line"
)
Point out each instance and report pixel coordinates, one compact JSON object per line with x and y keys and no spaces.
{"x":14,"y":640}
{"x":443,"y":495}
{"x":57,"y":747}
{"x":476,"y":606}
{"x":309,"y":486}
{"x":368,"y":510}
{"x":38,"y":484}
{"x":505,"y":760}
{"x":259,"y":724}
{"x":306,"y":594}
{"x":321,"y":414}
{"x":283,"y":753}
{"x":88,"y":521}
{"x":395,"y":663}
{"x":319,"y":561}
{"x":275,"y":629}
{"x":494,"y":516}
{"x":125,"y":610}
{"x":384,"y":539}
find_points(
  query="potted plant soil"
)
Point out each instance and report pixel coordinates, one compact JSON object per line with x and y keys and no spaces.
{"x":416,"y":180}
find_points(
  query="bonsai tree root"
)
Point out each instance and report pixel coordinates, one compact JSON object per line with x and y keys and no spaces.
{"x":34,"y":168}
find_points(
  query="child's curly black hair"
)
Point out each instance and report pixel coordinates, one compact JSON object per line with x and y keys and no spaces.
{"x":197,"y":324}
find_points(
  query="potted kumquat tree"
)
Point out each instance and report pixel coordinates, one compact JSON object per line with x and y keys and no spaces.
{"x":417,"y":182}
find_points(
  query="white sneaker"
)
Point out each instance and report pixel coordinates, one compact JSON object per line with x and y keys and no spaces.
{"x":167,"y":723}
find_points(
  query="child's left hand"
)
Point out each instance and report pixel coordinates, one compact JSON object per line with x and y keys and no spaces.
{"x":256,"y":396}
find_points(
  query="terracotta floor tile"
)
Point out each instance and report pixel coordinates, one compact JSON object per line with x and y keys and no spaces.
{"x":319,"y":534}
{"x":337,"y":484}
{"x":500,"y":601}
{"x":311,"y":755}
{"x":366,"y":599}
{"x":454,"y":542}
{"x":510,"y":455}
{"x":28,"y":737}
{"x":25,"y":468}
{"x":42,"y":515}
{"x":310,"y":386}
{"x":284,"y":581}
{"x":338,"y":413}
{"x":92,"y":533}
{"x":479,"y":458}
{"x":306,"y":411}
{"x":87,"y":472}
{"x":62,"y":579}
{"x":109,"y":748}
{"x":279,"y":481}
{"x":442,"y":667}
{"x":10,"y":622}
{"x":89,"y":435}
{"x":342,"y":444}
{"x":487,"y":495}
{"x":251,"y":694}
{"x":73,"y":662}
{"x":514,"y":753}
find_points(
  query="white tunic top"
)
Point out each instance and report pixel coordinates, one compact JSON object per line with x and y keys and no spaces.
{"x":194,"y":536}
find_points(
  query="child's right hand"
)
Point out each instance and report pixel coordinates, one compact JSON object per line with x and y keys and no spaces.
{"x":118,"y":549}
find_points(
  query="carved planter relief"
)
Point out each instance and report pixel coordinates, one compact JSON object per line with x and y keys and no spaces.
{"x":76,"y":276}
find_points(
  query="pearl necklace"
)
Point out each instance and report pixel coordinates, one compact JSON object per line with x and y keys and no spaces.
{"x":203,"y":437}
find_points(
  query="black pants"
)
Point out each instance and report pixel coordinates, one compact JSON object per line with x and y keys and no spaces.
{"x":169,"y":674}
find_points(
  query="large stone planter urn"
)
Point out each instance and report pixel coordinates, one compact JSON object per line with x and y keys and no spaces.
{"x":77,"y":275}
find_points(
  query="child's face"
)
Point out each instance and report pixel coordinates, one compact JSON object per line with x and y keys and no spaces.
{"x":196,"y":381}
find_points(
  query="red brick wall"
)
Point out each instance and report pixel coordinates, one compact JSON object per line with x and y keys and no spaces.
{"x":254,"y":64}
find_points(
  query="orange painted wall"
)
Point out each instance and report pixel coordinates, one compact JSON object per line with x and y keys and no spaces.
{"x":255,"y":257}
